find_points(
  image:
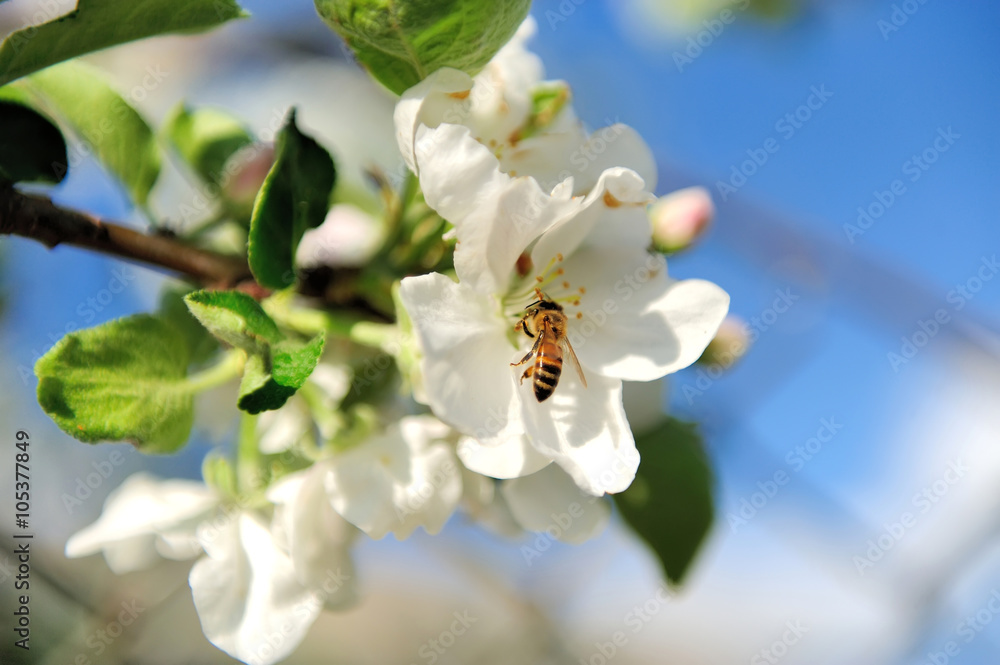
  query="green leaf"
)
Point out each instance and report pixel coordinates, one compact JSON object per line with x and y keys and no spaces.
{"x":295,"y":197}
{"x":32,"y":148}
{"x":173,"y":309}
{"x":123,"y":380}
{"x":117,"y":135}
{"x":269,"y":382}
{"x":235,"y":318}
{"x":402,"y":42}
{"x":98,"y":24}
{"x":669,"y":504}
{"x":206,"y":139}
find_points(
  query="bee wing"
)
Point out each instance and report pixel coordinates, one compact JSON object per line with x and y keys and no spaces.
{"x":568,"y":349}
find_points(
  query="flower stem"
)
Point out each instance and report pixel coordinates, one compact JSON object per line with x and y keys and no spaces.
{"x":229,"y":367}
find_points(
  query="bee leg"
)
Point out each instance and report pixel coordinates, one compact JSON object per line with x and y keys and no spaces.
{"x":528,"y":355}
{"x":527,"y":373}
{"x":520,"y":327}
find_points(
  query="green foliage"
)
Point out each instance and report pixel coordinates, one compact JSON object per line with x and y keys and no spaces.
{"x":206,"y":139}
{"x":123,"y":380}
{"x":669,"y":504}
{"x":98,"y":24}
{"x":235,"y":318}
{"x":32,"y":148}
{"x":401,"y":42}
{"x":174,"y":310}
{"x":295,"y":197}
{"x":276,"y":367}
{"x":268,"y":382}
{"x":116,"y":134}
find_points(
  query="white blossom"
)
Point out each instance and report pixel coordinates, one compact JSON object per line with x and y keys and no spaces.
{"x":145,"y":519}
{"x":396,"y":481}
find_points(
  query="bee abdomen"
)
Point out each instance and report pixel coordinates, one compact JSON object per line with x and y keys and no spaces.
{"x":546,"y":377}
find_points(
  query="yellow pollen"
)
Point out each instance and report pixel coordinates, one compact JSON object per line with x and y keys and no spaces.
{"x":560,"y":271}
{"x":582,"y":289}
{"x":539,"y":278}
{"x":559,"y":257}
{"x":576,"y":303}
{"x":565,"y":285}
{"x":579,"y":315}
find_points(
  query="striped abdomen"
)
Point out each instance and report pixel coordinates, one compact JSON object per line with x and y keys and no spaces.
{"x":548,"y":366}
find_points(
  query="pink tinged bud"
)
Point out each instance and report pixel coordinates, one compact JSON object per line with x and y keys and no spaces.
{"x":348,"y":237}
{"x":731,"y":342}
{"x":246,"y":170}
{"x":680,"y":218}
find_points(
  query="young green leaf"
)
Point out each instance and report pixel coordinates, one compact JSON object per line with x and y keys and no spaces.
{"x":117,"y":135}
{"x":98,"y":24}
{"x":669,"y":504}
{"x":235,"y":318}
{"x":174,"y":310}
{"x":124,"y":380}
{"x":205,"y":138}
{"x":295,"y":197}
{"x":32,"y":148}
{"x":269,"y":382}
{"x":401,"y":42}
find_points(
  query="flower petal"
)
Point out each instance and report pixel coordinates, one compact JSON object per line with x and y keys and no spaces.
{"x":513,"y":458}
{"x":315,"y":536}
{"x":136,"y":514}
{"x":246,"y":594}
{"x":612,"y":215}
{"x":496,"y":216}
{"x":396,"y":481}
{"x":420,"y":105}
{"x":636,"y":323}
{"x":467,"y":381}
{"x":550,"y":501}
{"x":584,"y":430}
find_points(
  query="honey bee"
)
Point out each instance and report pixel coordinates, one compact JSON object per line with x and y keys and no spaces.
{"x":545,"y":322}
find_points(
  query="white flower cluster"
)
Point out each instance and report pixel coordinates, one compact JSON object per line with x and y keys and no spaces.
{"x":542,"y":211}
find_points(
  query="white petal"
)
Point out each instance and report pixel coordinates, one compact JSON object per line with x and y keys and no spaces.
{"x":513,"y":458}
{"x":396,"y":481}
{"x":615,"y":146}
{"x":414,"y":108}
{"x":483,"y":502}
{"x":467,"y":380}
{"x":637,"y":323}
{"x":612,"y":215}
{"x":248,"y":600}
{"x":314,"y":535}
{"x":282,"y":428}
{"x":136,"y":513}
{"x":584,"y":431}
{"x":496,"y":216}
{"x":550,"y":501}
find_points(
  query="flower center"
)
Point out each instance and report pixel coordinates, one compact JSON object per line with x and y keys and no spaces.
{"x":550,"y":284}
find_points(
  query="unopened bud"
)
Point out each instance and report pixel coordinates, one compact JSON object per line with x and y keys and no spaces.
{"x":248,"y":166}
{"x":731,"y":342}
{"x":680,"y":218}
{"x":348,"y":237}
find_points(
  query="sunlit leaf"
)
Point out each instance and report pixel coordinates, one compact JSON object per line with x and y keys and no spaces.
{"x":98,"y":24}
{"x":295,"y":197}
{"x":670,"y":504}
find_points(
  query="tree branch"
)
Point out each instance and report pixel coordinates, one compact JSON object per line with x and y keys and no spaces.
{"x":36,"y":217}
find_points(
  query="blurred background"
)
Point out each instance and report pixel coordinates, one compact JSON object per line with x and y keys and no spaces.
{"x":855,"y":445}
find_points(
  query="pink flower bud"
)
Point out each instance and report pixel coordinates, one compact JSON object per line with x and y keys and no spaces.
{"x":680,"y":218}
{"x":247,"y":169}
{"x":731,"y":342}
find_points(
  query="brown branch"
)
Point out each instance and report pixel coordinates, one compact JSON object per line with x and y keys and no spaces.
{"x":36,"y":217}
